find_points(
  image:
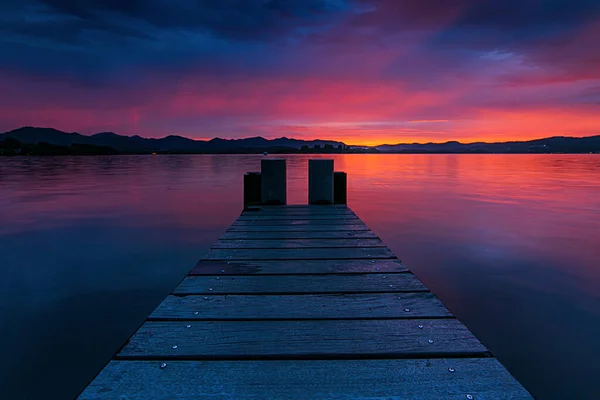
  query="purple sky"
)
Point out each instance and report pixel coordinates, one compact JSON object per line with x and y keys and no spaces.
{"x":362,"y":71}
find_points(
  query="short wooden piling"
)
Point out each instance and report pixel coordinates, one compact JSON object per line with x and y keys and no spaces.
{"x":340,"y":188}
{"x":273,"y":181}
{"x":252,"y":192}
{"x":320,"y":182}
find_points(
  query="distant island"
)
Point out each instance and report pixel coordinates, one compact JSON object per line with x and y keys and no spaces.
{"x":49,"y":141}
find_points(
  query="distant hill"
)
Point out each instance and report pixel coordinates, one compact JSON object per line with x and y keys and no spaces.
{"x":169,"y":144}
{"x":179,"y":144}
{"x":12,"y":147}
{"x":557,"y":144}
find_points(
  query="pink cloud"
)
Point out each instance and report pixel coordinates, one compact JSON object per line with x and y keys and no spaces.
{"x":397,"y":87}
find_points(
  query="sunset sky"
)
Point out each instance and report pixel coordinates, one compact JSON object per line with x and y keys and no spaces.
{"x":361,"y":71}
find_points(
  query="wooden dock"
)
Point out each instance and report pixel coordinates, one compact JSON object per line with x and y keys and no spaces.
{"x":302,"y":302}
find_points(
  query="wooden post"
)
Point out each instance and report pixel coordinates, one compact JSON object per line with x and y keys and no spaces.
{"x":273,"y":181}
{"x":340,"y":188}
{"x":252,"y":193}
{"x":320,"y":181}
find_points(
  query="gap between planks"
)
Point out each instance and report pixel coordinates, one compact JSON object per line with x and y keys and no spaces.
{"x":297,"y":235}
{"x":409,"y":305}
{"x":300,"y":254}
{"x":298,"y":228}
{"x":297,"y":243}
{"x":295,"y":267}
{"x":327,"y":338}
{"x":309,"y":284}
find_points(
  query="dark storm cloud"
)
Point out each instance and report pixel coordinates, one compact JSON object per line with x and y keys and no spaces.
{"x":527,"y":12}
{"x":236,"y":19}
{"x":467,"y":21}
{"x":89,"y":39}
{"x":526,"y":26}
{"x":502,"y":14}
{"x":183,"y":29}
{"x":549,"y":34}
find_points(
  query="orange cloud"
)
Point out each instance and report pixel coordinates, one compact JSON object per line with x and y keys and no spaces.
{"x":369,"y":112}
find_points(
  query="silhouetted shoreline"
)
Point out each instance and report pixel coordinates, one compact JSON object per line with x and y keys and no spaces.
{"x":48,"y":141}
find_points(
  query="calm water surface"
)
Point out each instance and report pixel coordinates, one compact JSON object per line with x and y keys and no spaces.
{"x":90,"y":245}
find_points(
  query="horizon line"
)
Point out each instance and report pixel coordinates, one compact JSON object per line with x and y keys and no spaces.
{"x":303,"y":140}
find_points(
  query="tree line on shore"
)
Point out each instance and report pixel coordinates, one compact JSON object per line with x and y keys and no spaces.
{"x":13,"y":147}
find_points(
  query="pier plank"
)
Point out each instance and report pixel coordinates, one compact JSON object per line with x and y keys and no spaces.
{"x":290,"y":284}
{"x":297,"y":228}
{"x":297,"y":243}
{"x":266,"y":235}
{"x":299,"y":209}
{"x":308,"y":306}
{"x":397,"y":338}
{"x":306,"y":267}
{"x":307,"y":217}
{"x":296,"y":222}
{"x":422,"y":379}
{"x":301,"y":214}
{"x":299,"y":254}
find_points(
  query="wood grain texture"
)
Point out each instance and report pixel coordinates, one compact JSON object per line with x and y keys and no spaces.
{"x":237,"y":235}
{"x":297,"y":228}
{"x":308,"y":306}
{"x":297,"y":243}
{"x":297,"y":213}
{"x":397,"y":338}
{"x":300,"y":254}
{"x":208,"y":267}
{"x":424,"y":379}
{"x":289,"y":284}
{"x":296,"y":222}
{"x":299,"y":209}
{"x":307,"y":217}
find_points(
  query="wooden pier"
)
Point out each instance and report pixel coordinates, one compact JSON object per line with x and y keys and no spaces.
{"x":302,"y":302}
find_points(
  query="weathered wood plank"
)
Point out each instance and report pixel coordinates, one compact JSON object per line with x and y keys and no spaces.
{"x":345,"y":212}
{"x":424,"y":379}
{"x":236,"y":235}
{"x":206,"y":267}
{"x":301,"y":212}
{"x":286,"y":217}
{"x":290,"y":209}
{"x":308,"y":306}
{"x":297,"y":244}
{"x":289,"y":284}
{"x":301,"y":215}
{"x":297,"y":228}
{"x":302,"y":206}
{"x":299,"y":254}
{"x":296,"y":221}
{"x":285,"y":339}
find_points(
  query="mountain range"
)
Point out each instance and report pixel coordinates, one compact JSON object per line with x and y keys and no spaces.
{"x":178,"y":144}
{"x":169,"y":144}
{"x":556,"y":144}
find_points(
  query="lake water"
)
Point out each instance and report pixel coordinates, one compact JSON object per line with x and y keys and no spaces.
{"x":90,"y":245}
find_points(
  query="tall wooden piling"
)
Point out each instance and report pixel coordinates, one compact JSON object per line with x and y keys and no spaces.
{"x":320,"y":182}
{"x":273,"y":181}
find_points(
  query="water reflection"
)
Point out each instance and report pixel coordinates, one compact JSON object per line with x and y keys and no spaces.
{"x":90,"y":245}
